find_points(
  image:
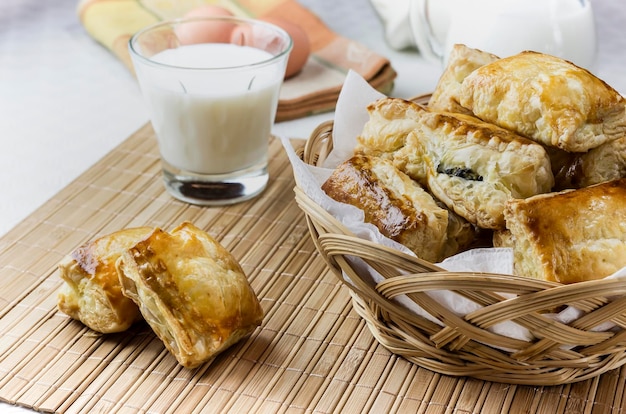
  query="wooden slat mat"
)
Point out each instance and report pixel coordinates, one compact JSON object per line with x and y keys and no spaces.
{"x":312,"y":353}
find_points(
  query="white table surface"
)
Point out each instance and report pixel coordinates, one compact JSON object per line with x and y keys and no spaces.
{"x":65,"y":101}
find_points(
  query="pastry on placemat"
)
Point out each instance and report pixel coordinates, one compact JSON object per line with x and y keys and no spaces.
{"x":401,"y":209}
{"x":547,"y":99}
{"x":570,"y":236}
{"x":91,"y":291}
{"x":462,"y":61}
{"x":191,"y":291}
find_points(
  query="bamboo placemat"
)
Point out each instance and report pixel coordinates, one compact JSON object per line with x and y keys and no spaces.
{"x":312,"y":353}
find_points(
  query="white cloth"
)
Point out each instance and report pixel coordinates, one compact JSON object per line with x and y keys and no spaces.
{"x":394,"y":15}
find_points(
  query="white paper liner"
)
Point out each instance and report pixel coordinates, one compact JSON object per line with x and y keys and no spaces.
{"x":350,"y":117}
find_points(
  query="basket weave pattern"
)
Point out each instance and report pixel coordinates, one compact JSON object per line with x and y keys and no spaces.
{"x":464,"y":345}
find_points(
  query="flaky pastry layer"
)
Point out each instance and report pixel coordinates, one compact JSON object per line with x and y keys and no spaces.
{"x":91,"y":291}
{"x":572,"y":235}
{"x":472,"y":166}
{"x":547,"y":99}
{"x":191,"y":291}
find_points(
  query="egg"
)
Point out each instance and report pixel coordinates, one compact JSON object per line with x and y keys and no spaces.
{"x":205,"y":31}
{"x":301,"y":45}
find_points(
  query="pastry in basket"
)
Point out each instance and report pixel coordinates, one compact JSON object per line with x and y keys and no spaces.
{"x":547,"y":99}
{"x":582,"y":169}
{"x":471,"y":166}
{"x":399,"y":207}
{"x":462,"y":61}
{"x":91,"y":292}
{"x":570,"y":236}
{"x":191,"y":291}
{"x":460,"y":233}
{"x":390,"y":122}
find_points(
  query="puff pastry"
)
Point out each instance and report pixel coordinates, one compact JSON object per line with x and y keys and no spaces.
{"x":390,"y":122}
{"x":547,"y":99}
{"x":572,"y":235}
{"x":473,"y":167}
{"x":462,"y":61}
{"x":577,"y":170}
{"x":91,"y":291}
{"x":191,"y":291}
{"x":401,"y":209}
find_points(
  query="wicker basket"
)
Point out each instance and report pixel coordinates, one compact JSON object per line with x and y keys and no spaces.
{"x":464,"y":345}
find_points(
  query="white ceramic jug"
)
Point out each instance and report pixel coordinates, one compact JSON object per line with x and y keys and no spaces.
{"x":563,"y":28}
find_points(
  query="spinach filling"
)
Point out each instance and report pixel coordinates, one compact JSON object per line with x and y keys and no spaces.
{"x":465,"y":173}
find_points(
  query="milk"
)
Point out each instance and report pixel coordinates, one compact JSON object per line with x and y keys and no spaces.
{"x":217,"y":123}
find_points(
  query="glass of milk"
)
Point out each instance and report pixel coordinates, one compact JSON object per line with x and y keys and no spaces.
{"x":562,"y":28}
{"x":211,"y":86}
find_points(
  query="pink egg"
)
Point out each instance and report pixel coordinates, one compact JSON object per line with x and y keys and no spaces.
{"x":301,"y":46}
{"x":205,"y":31}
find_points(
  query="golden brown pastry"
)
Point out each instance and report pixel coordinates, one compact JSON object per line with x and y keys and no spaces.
{"x":462,"y":61}
{"x":191,"y":291}
{"x":547,"y":99}
{"x":582,"y":169}
{"x":471,"y":166}
{"x":390,"y":122}
{"x":570,"y":236}
{"x":91,"y":292}
{"x":460,"y":233}
{"x":395,"y":204}
{"x":503,"y":238}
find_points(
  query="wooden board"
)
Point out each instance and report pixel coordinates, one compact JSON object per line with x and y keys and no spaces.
{"x":312,"y":353}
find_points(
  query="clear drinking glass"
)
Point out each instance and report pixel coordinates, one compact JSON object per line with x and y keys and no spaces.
{"x":211,"y":86}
